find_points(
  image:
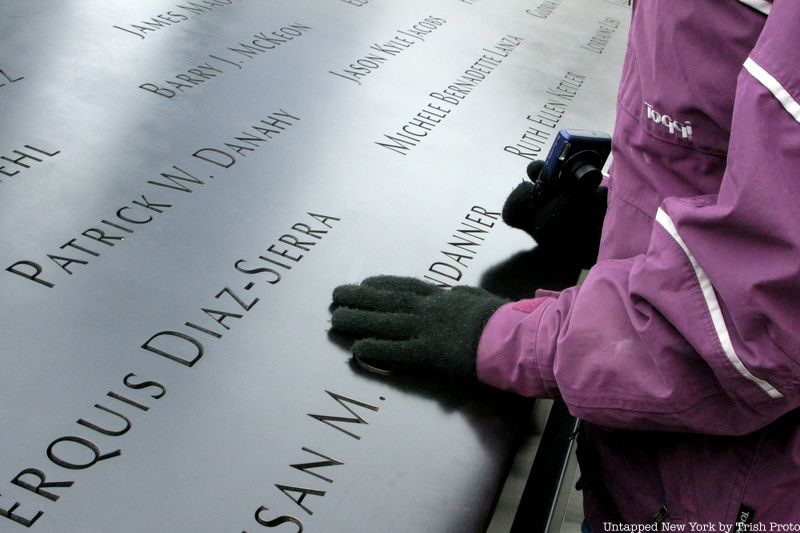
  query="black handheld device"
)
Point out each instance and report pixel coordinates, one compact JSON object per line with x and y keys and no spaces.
{"x":576,"y":160}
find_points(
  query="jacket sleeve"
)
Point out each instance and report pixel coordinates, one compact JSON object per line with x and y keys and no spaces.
{"x":701,"y":333}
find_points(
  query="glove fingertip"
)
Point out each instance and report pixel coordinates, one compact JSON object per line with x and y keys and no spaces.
{"x":342,"y":319}
{"x":340,"y":293}
{"x":361,"y":349}
{"x":372,"y":352}
{"x":399,"y":284}
{"x":535,"y":169}
{"x":383,"y":282}
{"x":380,"y":279}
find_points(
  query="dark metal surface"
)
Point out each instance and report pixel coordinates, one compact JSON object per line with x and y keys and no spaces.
{"x":168,"y":261}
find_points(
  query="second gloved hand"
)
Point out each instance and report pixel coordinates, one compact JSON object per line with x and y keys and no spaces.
{"x":563,"y":219}
{"x":407,"y":324}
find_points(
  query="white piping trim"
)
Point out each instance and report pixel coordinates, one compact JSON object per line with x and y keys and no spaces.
{"x":774,"y":86}
{"x":714,"y":309}
{"x":759,"y":5}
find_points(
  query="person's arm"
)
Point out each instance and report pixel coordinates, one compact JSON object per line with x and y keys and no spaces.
{"x":701,"y":333}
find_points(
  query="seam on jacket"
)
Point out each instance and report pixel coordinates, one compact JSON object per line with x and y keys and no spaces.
{"x":779,"y":346}
{"x":747,"y":472}
{"x":616,"y":195}
{"x":712,"y":303}
{"x":544,"y":306}
{"x":777,"y":89}
{"x":646,"y":404}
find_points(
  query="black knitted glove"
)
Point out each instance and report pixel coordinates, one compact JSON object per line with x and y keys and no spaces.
{"x":406,"y":324}
{"x":564,"y":218}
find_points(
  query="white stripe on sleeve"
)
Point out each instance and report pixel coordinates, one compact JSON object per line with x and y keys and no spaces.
{"x":774,"y":86}
{"x":714,"y":309}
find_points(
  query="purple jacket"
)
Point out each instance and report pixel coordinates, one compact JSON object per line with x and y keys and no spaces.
{"x":681,"y":350}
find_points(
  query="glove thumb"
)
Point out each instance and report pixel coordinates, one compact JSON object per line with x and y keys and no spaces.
{"x":523,"y":204}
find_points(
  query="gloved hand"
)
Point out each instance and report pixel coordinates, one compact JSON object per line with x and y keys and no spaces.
{"x":407,"y":324}
{"x":566,"y":219}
